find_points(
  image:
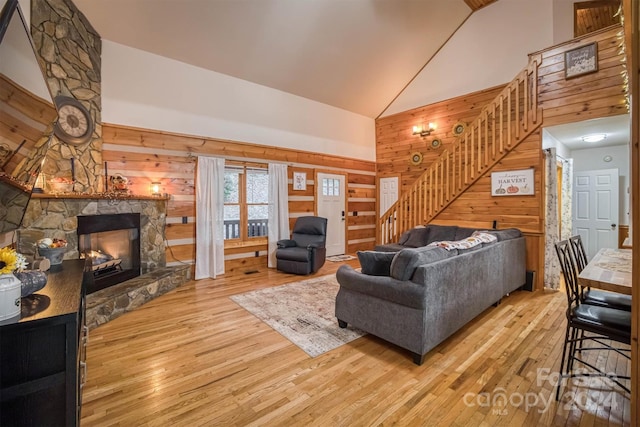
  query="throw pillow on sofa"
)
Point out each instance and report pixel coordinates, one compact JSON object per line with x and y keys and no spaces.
{"x":439,"y":233}
{"x":418,"y":236}
{"x":375,"y":263}
{"x":407,"y":260}
{"x":506,"y":234}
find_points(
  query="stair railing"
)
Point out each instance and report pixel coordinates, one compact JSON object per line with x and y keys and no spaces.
{"x":501,"y":125}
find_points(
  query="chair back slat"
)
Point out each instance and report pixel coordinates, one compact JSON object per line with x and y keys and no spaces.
{"x":579,"y":254}
{"x":570,"y":274}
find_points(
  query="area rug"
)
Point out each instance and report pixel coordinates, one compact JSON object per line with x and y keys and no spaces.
{"x":303,"y":312}
{"x":337,"y":258}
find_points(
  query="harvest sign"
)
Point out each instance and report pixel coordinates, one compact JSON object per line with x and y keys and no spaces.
{"x":512,"y":183}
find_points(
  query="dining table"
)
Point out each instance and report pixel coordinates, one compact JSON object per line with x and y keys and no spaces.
{"x":609,"y":270}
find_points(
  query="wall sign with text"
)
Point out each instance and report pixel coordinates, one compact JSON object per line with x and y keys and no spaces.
{"x":512,"y":183}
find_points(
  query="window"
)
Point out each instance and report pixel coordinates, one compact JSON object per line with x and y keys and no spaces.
{"x":330,"y":187}
{"x":246,"y":198}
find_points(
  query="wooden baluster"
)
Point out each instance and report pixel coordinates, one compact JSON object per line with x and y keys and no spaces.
{"x":517,"y":115}
{"x":432,"y":189}
{"x":414,"y":208}
{"x":466,"y":160}
{"x":423,"y":205}
{"x":525,"y":117}
{"x":509,"y":104}
{"x":479,"y":126}
{"x":446,"y":176}
{"x":493,"y":133}
{"x":472,"y":166}
{"x":534,"y":92}
{"x":501,"y":124}
{"x":486,"y":138}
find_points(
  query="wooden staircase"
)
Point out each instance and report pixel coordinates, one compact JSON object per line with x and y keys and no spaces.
{"x":501,"y":125}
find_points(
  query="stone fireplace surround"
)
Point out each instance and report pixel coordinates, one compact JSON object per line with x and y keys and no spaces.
{"x":56,"y":216}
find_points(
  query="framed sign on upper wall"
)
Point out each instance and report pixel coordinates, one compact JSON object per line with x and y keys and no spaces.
{"x":581,"y":60}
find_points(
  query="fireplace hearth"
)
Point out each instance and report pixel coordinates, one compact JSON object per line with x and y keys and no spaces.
{"x":112,"y":242}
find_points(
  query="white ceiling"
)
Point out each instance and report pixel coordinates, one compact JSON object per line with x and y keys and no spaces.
{"x":357,"y":55}
{"x":616,"y":129}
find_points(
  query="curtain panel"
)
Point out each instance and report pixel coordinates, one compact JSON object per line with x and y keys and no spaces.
{"x":567,"y":194}
{"x":552,"y":233}
{"x":278,"y":225}
{"x":209,"y":218}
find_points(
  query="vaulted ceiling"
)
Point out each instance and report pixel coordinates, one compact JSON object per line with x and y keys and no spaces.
{"x":353,"y":54}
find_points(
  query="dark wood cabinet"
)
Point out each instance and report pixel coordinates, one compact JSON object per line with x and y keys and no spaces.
{"x":42,"y":366}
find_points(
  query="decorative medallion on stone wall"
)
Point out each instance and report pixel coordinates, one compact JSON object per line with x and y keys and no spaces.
{"x":69,"y":51}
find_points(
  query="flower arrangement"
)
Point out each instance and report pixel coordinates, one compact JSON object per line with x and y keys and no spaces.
{"x":11,"y":261}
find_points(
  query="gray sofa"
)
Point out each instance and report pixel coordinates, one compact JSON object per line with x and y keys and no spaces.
{"x":417,"y":297}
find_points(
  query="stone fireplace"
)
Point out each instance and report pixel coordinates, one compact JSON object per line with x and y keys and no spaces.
{"x":63,"y":216}
{"x":112,"y":243}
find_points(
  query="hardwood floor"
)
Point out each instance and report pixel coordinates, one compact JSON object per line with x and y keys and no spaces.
{"x":193,"y":357}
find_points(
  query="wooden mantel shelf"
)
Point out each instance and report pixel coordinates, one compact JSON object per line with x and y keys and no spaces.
{"x":97,"y":196}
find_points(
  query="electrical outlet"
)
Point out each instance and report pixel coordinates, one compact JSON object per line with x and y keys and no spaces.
{"x":184,"y":219}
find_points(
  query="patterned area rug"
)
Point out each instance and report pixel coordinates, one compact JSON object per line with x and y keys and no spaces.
{"x":337,"y":258}
{"x":303,"y":312}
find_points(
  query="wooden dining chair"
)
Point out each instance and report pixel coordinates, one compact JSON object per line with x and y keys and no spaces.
{"x":588,"y":324}
{"x":593,"y":296}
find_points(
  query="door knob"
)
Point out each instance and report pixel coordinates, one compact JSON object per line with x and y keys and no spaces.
{"x":613,"y":225}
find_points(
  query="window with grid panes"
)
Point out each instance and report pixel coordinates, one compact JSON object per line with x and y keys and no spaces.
{"x":246,"y":208}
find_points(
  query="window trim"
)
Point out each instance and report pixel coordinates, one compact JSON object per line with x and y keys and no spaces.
{"x":244,"y":239}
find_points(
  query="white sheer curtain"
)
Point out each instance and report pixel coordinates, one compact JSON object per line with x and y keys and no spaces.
{"x":209,"y":218}
{"x":552,"y":234}
{"x":278,"y":225}
{"x":567,"y":194}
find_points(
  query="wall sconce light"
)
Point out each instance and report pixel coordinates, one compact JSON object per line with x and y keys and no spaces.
{"x":154,"y":188}
{"x":424,"y":131}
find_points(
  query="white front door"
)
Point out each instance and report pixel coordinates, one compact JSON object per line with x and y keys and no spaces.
{"x":595,"y":209}
{"x":331,"y":205}
{"x":388,"y":193}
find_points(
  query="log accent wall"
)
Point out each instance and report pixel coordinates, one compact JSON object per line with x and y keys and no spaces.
{"x":595,"y":95}
{"x":144,"y":156}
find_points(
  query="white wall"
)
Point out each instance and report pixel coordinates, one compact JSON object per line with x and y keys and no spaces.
{"x":488,"y":50}
{"x":592,"y":159}
{"x":549,"y":141}
{"x":562,"y":20}
{"x":149,"y":91}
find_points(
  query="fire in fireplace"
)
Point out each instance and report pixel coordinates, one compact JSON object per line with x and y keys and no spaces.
{"x":112,"y":242}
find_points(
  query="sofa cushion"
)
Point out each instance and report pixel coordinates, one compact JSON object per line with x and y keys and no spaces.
{"x":404,"y":237}
{"x":375,"y":263}
{"x":506,"y":234}
{"x":407,"y":260}
{"x":463,"y":233}
{"x":418,"y":236}
{"x":441,"y":232}
{"x":389,"y":247}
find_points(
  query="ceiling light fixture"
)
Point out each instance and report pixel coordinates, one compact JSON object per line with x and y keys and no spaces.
{"x":422,"y":131}
{"x":596,"y":137}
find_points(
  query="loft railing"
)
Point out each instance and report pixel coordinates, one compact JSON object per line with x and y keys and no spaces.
{"x":501,"y":125}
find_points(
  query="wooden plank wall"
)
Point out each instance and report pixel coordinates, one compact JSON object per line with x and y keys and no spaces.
{"x":395,"y":141}
{"x":589,"y":96}
{"x":24,"y":117}
{"x":144,"y":156}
